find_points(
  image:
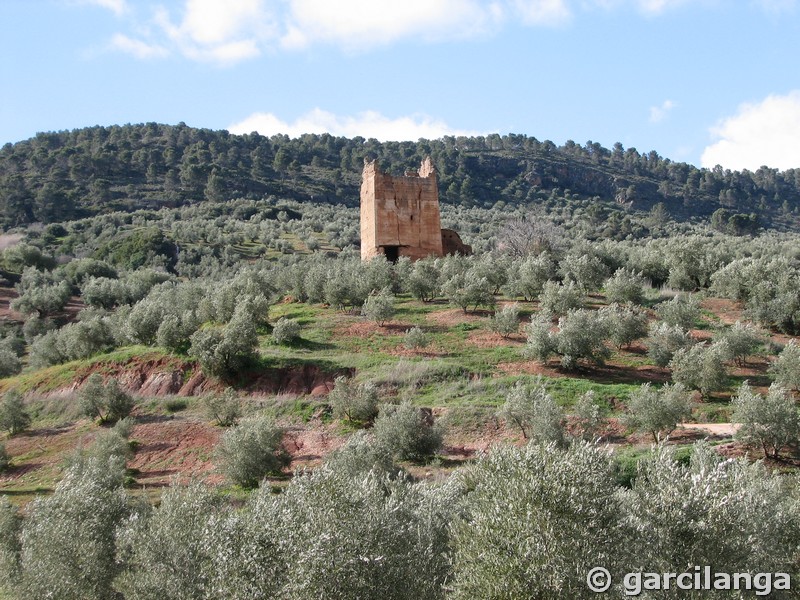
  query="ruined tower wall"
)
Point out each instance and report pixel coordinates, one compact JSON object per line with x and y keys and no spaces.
{"x":400,"y":215}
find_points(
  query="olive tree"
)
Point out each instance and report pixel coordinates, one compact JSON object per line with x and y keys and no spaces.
{"x":106,"y":401}
{"x":626,"y":323}
{"x":658,"y":411}
{"x":715,"y":511}
{"x":285,"y":331}
{"x":582,"y":335}
{"x":534,"y":411}
{"x":682,"y":310}
{"x":467,"y":289}
{"x":40,"y":293}
{"x":10,"y":529}
{"x":355,"y":402}
{"x":769,"y":422}
{"x":377,"y":536}
{"x":423,"y":280}
{"x":527,"y":276}
{"x":505,"y":321}
{"x":786,"y":368}
{"x":164,"y":550}
{"x":14,"y":417}
{"x":540,"y":341}
{"x":223,"y":408}
{"x":664,"y":340}
{"x":587,"y":416}
{"x":625,"y":286}
{"x":559,"y":299}
{"x":250,"y":451}
{"x":743,"y":340}
{"x":701,"y":367}
{"x":10,"y":363}
{"x":225,"y":350}
{"x":5,"y":461}
{"x":535,"y":521}
{"x":68,"y":541}
{"x":406,"y":432}
{"x":587,"y":271}
{"x":379,"y":306}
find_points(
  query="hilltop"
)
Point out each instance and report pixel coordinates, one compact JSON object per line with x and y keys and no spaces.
{"x":66,"y":175}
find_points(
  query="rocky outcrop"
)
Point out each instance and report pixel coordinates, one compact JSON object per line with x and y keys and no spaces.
{"x":169,"y":376}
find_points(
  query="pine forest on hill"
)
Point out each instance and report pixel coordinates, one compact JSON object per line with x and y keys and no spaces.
{"x":73,"y":174}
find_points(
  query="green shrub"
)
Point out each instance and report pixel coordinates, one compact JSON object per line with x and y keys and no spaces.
{"x":664,"y":340}
{"x":108,"y":401}
{"x":225,"y":408}
{"x":658,"y":411}
{"x":5,"y":459}
{"x":786,"y":368}
{"x":506,"y":321}
{"x":682,"y":310}
{"x":14,"y":417}
{"x":68,"y":538}
{"x":625,"y":286}
{"x":250,"y":451}
{"x":406,"y":432}
{"x":285,"y":331}
{"x":357,"y":403}
{"x":173,"y":405}
{"x":770,"y":422}
{"x":535,"y":412}
{"x":379,"y":307}
{"x":416,"y":339}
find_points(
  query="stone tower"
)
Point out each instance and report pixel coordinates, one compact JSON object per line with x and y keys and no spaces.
{"x":400,"y":215}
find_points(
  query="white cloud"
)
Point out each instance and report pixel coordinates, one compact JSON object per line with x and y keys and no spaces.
{"x":357,"y":24}
{"x":137,"y":48}
{"x":777,"y":6}
{"x":229,"y":31}
{"x":656,"y":7}
{"x":542,"y":12}
{"x":118,"y":7}
{"x":222,"y":32}
{"x":659,"y":113}
{"x":760,"y":134}
{"x":215,"y":22}
{"x":369,"y":124}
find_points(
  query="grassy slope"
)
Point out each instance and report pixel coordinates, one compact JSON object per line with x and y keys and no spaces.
{"x":462,"y":374}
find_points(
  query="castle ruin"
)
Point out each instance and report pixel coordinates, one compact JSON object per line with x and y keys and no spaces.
{"x":400,"y":215}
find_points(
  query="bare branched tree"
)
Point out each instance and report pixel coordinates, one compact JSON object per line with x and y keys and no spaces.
{"x":530,"y":234}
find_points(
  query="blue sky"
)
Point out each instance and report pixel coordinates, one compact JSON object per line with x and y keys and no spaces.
{"x":702,"y":81}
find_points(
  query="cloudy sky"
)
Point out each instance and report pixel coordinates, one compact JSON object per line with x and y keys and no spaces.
{"x":703,"y":81}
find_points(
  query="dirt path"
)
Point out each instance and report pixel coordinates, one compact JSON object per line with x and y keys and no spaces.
{"x":716,"y":429}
